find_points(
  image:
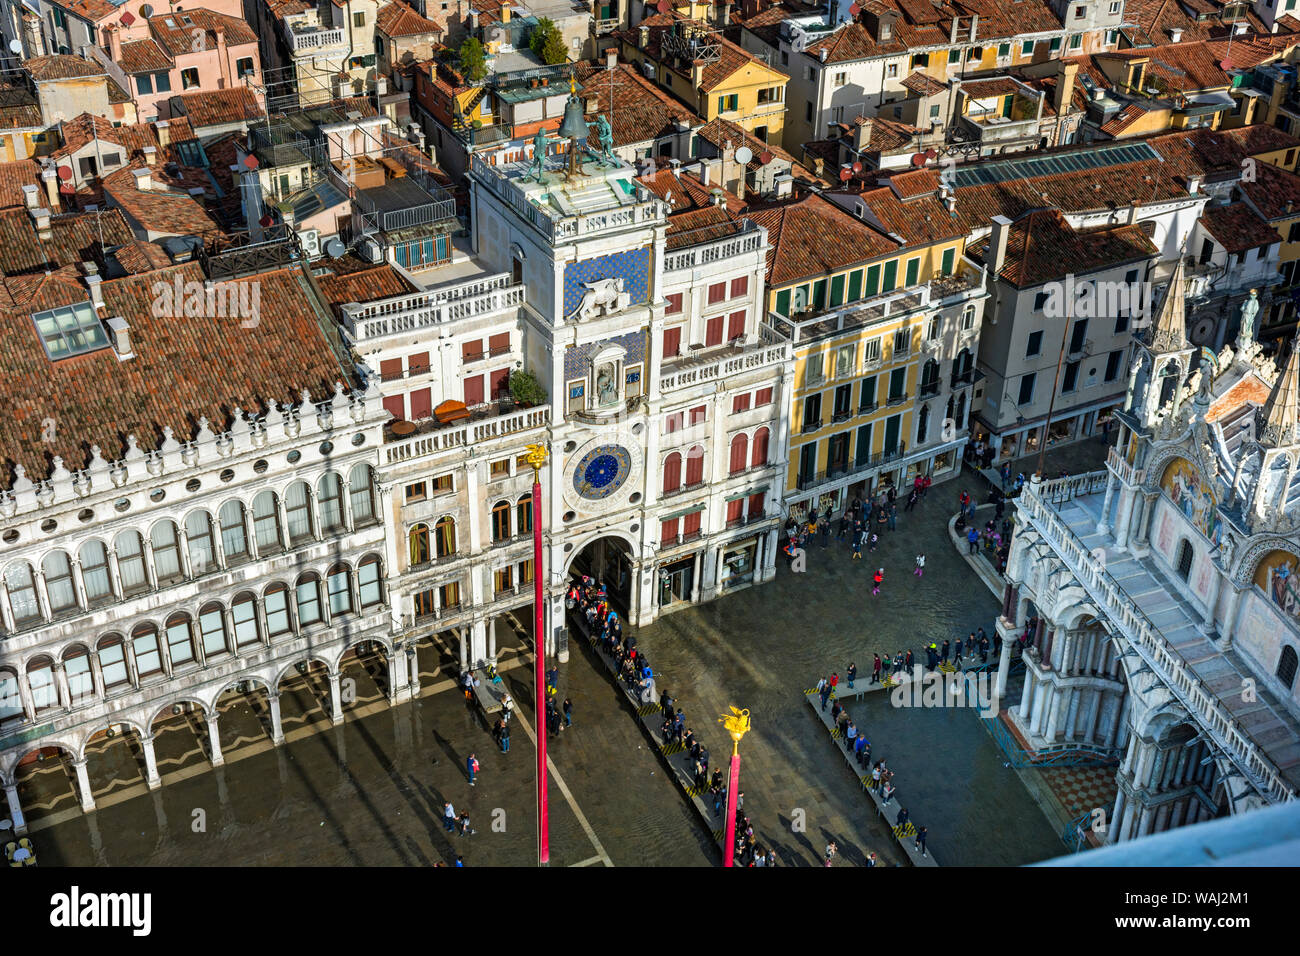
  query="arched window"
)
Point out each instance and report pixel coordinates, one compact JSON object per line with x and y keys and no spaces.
{"x":1185,"y":555}
{"x":501,"y":521}
{"x":93,"y":557}
{"x":212,"y":630}
{"x":11,"y":699}
{"x":112,"y":662}
{"x":695,"y":465}
{"x":198,"y":538}
{"x":961,"y":367}
{"x":369,"y":588}
{"x":339,"y":585}
{"x":930,"y":378}
{"x":266,"y":522}
{"x":960,"y":421}
{"x":243,"y":617}
{"x":444,"y":536}
{"x":58,"y":582}
{"x":362,"y":493}
{"x":180,"y":640}
{"x":329,"y":491}
{"x":166,"y":553}
{"x":130,"y":562}
{"x":81,"y":682}
{"x":418,"y":540}
{"x":148,"y":656}
{"x":297,"y":512}
{"x":672,"y":472}
{"x":308,"y":598}
{"x":759,"y":454}
{"x":234,"y":540}
{"x":276,"y":604}
{"x":1286,"y":667}
{"x":923,"y":424}
{"x":739,"y":453}
{"x":40,"y":681}
{"x":22,"y":594}
{"x":524,"y":514}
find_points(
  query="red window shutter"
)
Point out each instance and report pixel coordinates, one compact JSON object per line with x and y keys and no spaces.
{"x":713,"y":331}
{"x":672,"y":341}
{"x":501,"y":382}
{"x":668,"y":532}
{"x":695,"y":465}
{"x":418,"y":363}
{"x":672,"y":472}
{"x":717,"y":292}
{"x":756,"y":504}
{"x":673,"y":423}
{"x":471,"y":351}
{"x":499,"y":344}
{"x":395,"y":405}
{"x":763,"y":397}
{"x":390,"y":369}
{"x":674,"y":304}
{"x":740,"y":404}
{"x":739,"y":453}
{"x":691,"y":523}
{"x":733,"y":509}
{"x":760,"y":447}
{"x":698,"y":414}
{"x":421,"y":404}
{"x":474,"y":390}
{"x":739,"y":286}
{"x":736,"y":325}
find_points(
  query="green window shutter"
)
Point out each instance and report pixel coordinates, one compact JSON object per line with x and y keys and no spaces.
{"x":913,"y":272}
{"x":855,"y":286}
{"x":1076,"y":41}
{"x":837,"y":291}
{"x":783,"y":302}
{"x":891,"y":276}
{"x":1055,"y":44}
{"x":864,"y":444}
{"x":873,"y":281}
{"x":1027,"y":48}
{"x":949,"y":257}
{"x":819,"y":294}
{"x":867,"y":397}
{"x":1004,"y":49}
{"x":954,"y":56}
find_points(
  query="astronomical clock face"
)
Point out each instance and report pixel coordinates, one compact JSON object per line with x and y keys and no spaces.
{"x":602,"y":471}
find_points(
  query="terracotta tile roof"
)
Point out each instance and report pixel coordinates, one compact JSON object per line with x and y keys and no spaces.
{"x":922,"y":84}
{"x":1273,"y":191}
{"x":915,"y":182}
{"x":641,"y":110}
{"x":144,"y":56}
{"x":47,"y":289}
{"x":719,"y":131}
{"x":18,"y":108}
{"x":1154,"y":19}
{"x":1042,"y":246}
{"x":1122,"y":120}
{"x":92,"y":10}
{"x":1237,"y":227}
{"x":399,"y":20}
{"x":363,"y":285}
{"x":685,"y":192}
{"x":1185,"y":67}
{"x":361,"y":104}
{"x":14,"y":176}
{"x":74,"y":238}
{"x":811,"y":236}
{"x":695,"y":226}
{"x":1261,"y":138}
{"x":164,"y":208}
{"x":61,"y":67}
{"x":138,"y":256}
{"x":918,"y":221}
{"x":886,"y":135}
{"x":215,"y":107}
{"x":184,"y":368}
{"x":993,"y":86}
{"x":178,"y":37}
{"x":133,"y":138}
{"x":286,"y":8}
{"x":731,"y":58}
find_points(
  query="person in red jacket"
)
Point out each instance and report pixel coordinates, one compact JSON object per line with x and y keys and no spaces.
{"x":879,"y":577}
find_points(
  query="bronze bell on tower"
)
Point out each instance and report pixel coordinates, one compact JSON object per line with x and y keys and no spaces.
{"x":573,"y":128}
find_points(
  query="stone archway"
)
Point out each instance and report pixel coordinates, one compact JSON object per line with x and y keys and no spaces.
{"x":45,"y":783}
{"x":242,"y":712}
{"x":180,"y":735}
{"x":303,"y":689}
{"x":364,"y":674}
{"x":610,"y":560}
{"x":115,"y":759}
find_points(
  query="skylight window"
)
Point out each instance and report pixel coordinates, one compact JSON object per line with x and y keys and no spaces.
{"x":70,"y":330}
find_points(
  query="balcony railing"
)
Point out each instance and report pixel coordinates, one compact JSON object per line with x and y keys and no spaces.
{"x":748,"y":238}
{"x":312,"y":36}
{"x":1122,"y":469}
{"x":1214,"y":719}
{"x":733,"y":362}
{"x":443,"y":437}
{"x":422,"y":310}
{"x":804,"y":482}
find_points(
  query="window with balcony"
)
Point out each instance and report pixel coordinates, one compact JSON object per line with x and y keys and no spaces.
{"x":930,"y":378}
{"x":758,"y":456}
{"x":867,"y":395}
{"x":843,"y":403}
{"x":897,"y":386}
{"x":813,"y":370}
{"x":968,"y":318}
{"x":695,"y":466}
{"x":736,"y":325}
{"x":902,"y":343}
{"x":845,"y":360}
{"x":812,"y":412}
{"x":912,"y":272}
{"x":444,"y":536}
{"x":713,"y":331}
{"x":668,"y":532}
{"x":672,"y":341}
{"x":449,"y":594}
{"x":672,"y":473}
{"x":501,"y":521}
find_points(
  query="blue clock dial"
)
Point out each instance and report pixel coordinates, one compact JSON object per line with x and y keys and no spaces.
{"x":602,"y":471}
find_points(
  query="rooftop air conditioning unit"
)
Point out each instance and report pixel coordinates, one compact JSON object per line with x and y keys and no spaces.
{"x":310,"y":241}
{"x":370,"y":251}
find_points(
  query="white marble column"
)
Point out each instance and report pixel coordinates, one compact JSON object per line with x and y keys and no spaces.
{"x":463,"y":639}
{"x":336,"y":699}
{"x":492,"y":641}
{"x":214,"y":740}
{"x":277,"y":730}
{"x":1111,"y":483}
{"x":15,"y":809}
{"x":85,"y":794}
{"x":1004,"y":668}
{"x":1112,"y":832}
{"x":150,"y":764}
{"x":1124,"y":517}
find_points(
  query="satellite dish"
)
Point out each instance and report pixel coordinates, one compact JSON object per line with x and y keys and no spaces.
{"x":857,"y":167}
{"x":845,"y":174}
{"x":918,"y":159}
{"x":764,"y":157}
{"x":266,"y":221}
{"x":251,"y":161}
{"x":127,"y":18}
{"x":854,"y":9}
{"x":65,"y":173}
{"x":931,"y":153}
{"x":15,"y":45}
{"x":663,"y":6}
{"x":335,"y":248}
{"x":744,"y":154}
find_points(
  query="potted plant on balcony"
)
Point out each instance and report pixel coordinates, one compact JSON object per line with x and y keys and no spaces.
{"x":525,"y":389}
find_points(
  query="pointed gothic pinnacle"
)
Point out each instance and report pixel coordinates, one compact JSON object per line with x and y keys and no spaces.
{"x":1281,"y":412}
{"x":1170,"y":333}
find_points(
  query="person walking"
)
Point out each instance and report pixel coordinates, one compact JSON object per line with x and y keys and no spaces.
{"x":471,"y":768}
{"x":858,"y":746}
{"x":505,"y":737}
{"x":920,"y":565}
{"x":448,"y":817}
{"x":465,"y":828}
{"x":956,"y":653}
{"x":972,"y":540}
{"x":875,"y":670}
{"x":568,"y":712}
{"x":851,"y":673}
{"x":893,"y":516}
{"x":857,"y":545}
{"x":963,"y":500}
{"x":943,"y":651}
{"x":983,"y":643}
{"x":901,"y":822}
{"x":850,"y":736}
{"x":831,"y":850}
{"x":887,"y":793}
{"x":825,"y":692}
{"x":835,"y":680}
{"x":844,"y":525}
{"x":920,"y":839}
{"x":875,"y":776}
{"x":878,"y":579}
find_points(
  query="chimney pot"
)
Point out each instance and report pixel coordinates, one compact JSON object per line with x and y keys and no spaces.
{"x":1175,"y":34}
{"x":143,"y":179}
{"x":32,"y":196}
{"x":611,"y":58}
{"x":150,"y":154}
{"x":121,"y":337}
{"x":96,"y":292}
{"x":164,"y":132}
{"x":998,"y":243}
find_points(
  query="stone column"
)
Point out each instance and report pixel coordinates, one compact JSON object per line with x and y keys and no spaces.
{"x":1211,"y":603}
{"x":463,"y":640}
{"x":478,"y":643}
{"x":1047,"y":699}
{"x":1112,"y":825}
{"x":1144,"y":521}
{"x":83,"y":786}
{"x":1124,"y":517}
{"x":1111,"y":483}
{"x":1121,"y":830}
{"x":1004,"y":667}
{"x":1145,"y":821}
{"x":277,"y":730}
{"x":214,"y":740}
{"x":61,"y":680}
{"x":15,"y":808}
{"x":150,"y":764}
{"x":336,"y":698}
{"x":1026,"y":698}
{"x":492,"y":641}
{"x":1060,"y":703}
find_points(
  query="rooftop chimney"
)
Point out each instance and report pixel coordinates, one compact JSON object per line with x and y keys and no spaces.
{"x":677,"y":166}
{"x":997,"y":253}
{"x":32,"y":196}
{"x":41,"y":221}
{"x":164,"y":133}
{"x":96,"y":293}
{"x":114,"y":45}
{"x":974,"y":25}
{"x":121,"y":337}
{"x":143,"y":179}
{"x":1240,"y":28}
{"x":783,"y":185}
{"x":50,"y":176}
{"x":611,"y":58}
{"x":824,"y":52}
{"x":645,"y":36}
{"x":862,"y":135}
{"x":1193,"y":184}
{"x":1065,"y":86}
{"x":151,"y":154}
{"x":1175,"y":34}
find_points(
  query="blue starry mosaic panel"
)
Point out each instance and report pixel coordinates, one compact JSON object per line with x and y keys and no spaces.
{"x":633,"y":265}
{"x":577,"y":365}
{"x":602,"y":471}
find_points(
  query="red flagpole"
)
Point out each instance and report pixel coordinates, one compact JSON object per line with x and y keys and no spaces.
{"x":539,"y":640}
{"x":733,"y":792}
